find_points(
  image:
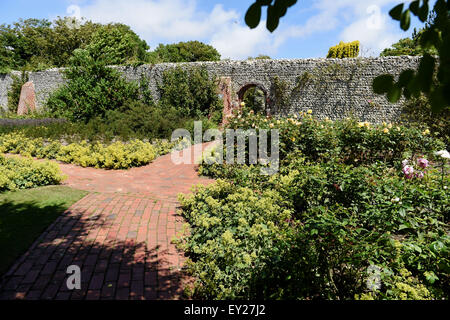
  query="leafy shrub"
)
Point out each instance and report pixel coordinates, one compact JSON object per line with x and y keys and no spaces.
{"x":324,"y":226}
{"x":344,"y":50}
{"x":329,"y":218}
{"x":190,"y":91}
{"x":233,"y":229}
{"x":139,"y":119}
{"x":418,"y":112}
{"x":347,"y":140}
{"x":19,"y":173}
{"x":118,"y":155}
{"x":92,"y":90}
{"x":254,"y":99}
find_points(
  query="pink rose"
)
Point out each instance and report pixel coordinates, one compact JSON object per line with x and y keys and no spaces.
{"x":423,"y":163}
{"x":405,"y":162}
{"x":419,"y":175}
{"x":408,"y":171}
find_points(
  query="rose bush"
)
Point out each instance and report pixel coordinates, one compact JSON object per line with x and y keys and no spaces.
{"x":340,"y":205}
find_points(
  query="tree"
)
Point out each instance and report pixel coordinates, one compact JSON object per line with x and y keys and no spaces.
{"x":404,"y":47}
{"x":91,"y":90}
{"x":428,"y":79}
{"x":117,"y":44}
{"x":24,"y":44}
{"x":69,"y":34}
{"x":190,"y":51}
{"x":39,"y":44}
{"x":409,"y":47}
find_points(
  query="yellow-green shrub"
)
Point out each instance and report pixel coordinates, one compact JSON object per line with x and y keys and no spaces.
{"x":344,"y":50}
{"x":118,"y":155}
{"x":22,"y":173}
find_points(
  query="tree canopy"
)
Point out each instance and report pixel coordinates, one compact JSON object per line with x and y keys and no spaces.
{"x":190,"y":51}
{"x":411,"y":46}
{"x":35,"y":44}
{"x":117,"y":44}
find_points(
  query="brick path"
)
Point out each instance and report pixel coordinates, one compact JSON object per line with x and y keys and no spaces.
{"x":120,"y":235}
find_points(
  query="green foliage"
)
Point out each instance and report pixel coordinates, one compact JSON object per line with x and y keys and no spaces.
{"x":69,"y":34}
{"x":344,"y":50}
{"x":281,"y":92}
{"x":418,"y":112}
{"x":348,"y":140}
{"x":259,"y":57}
{"x":431,"y":78}
{"x":233,"y":227}
{"x":190,"y":51}
{"x":91,"y":90}
{"x":117,"y":155}
{"x":190,"y":91}
{"x":25,"y":44}
{"x":19,"y":173}
{"x":339,"y":204}
{"x":409,"y":47}
{"x":116,"y":44}
{"x":254,"y":99}
{"x":15,"y":90}
{"x":275,"y":10}
{"x":137,"y":119}
{"x":35,"y":44}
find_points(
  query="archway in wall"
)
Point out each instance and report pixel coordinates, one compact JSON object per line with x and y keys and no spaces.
{"x":255,"y":97}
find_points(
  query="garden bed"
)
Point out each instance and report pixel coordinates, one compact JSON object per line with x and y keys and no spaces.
{"x":357,"y":211}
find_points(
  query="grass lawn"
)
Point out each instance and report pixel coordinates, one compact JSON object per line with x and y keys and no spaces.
{"x":25,"y":214}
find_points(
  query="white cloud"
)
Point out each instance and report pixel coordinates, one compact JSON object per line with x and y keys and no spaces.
{"x":357,"y":20}
{"x":373,"y":38}
{"x":238,"y":41}
{"x":180,"y":20}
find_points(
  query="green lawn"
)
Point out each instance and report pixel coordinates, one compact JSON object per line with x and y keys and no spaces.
{"x":25,"y":214}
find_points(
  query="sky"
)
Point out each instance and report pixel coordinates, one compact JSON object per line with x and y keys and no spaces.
{"x":307,"y":31}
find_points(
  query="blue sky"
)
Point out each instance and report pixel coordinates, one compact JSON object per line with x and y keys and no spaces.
{"x":307,"y":31}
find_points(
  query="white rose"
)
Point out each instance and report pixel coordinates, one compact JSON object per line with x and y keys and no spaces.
{"x":443,"y":154}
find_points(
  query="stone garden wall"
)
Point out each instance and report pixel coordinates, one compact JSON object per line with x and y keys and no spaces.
{"x":333,"y":88}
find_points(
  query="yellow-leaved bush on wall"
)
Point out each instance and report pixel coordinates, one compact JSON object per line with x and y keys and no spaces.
{"x":118,"y":155}
{"x":23,"y":173}
{"x":344,"y":50}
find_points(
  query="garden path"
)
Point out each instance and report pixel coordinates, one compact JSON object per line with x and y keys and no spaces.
{"x":120,"y":235}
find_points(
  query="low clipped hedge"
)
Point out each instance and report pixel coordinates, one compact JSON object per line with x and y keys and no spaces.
{"x":22,"y":173}
{"x":117,"y":155}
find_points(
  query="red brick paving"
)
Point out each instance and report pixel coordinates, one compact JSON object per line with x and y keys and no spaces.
{"x":120,"y":235}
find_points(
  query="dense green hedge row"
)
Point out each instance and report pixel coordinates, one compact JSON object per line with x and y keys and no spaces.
{"x":21,"y":173}
{"x":346,"y":217}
